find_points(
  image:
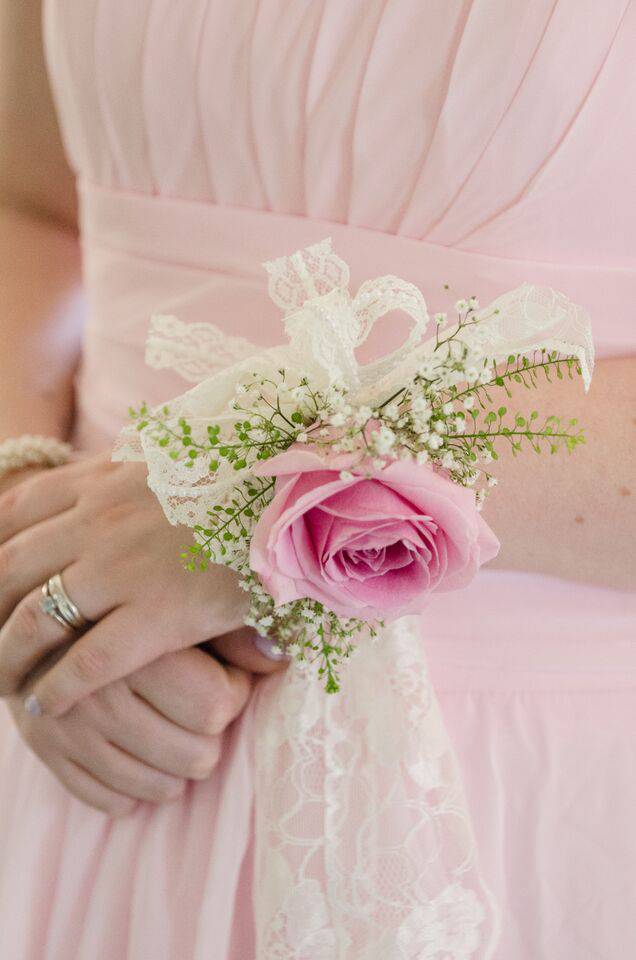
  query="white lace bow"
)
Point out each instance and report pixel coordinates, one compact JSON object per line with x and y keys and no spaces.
{"x":364,"y":848}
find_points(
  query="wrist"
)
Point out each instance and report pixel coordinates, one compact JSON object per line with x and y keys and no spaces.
{"x":10,"y":480}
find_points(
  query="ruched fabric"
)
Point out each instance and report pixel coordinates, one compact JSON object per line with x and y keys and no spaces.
{"x":474,"y":143}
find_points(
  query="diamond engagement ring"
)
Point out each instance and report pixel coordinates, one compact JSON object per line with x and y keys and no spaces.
{"x":57,"y":604}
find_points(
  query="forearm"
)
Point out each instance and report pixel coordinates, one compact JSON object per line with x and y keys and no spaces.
{"x":574,"y":516}
{"x":39,"y":324}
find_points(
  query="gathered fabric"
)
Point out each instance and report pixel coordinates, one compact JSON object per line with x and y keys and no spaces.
{"x":476,"y":145}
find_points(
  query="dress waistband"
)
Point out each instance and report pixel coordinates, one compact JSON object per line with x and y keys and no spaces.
{"x":236,"y":240}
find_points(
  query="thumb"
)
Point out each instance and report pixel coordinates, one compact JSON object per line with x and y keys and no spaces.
{"x":245,"y":648}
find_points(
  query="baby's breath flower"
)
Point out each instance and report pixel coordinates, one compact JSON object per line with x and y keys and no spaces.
{"x":461,"y":305}
{"x":435,"y":441}
{"x":362,"y":415}
{"x":428,"y":369}
{"x":421,"y":406}
{"x":492,"y":481}
{"x":383,"y":440}
{"x":440,"y":319}
{"x":469,"y":402}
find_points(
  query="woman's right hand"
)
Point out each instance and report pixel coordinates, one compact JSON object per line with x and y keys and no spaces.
{"x":143,"y":737}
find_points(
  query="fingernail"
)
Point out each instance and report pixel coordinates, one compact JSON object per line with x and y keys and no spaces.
{"x":32,"y":706}
{"x":269,"y":648}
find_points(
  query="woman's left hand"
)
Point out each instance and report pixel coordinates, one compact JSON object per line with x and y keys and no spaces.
{"x":142,"y":737}
{"x":98,"y":524}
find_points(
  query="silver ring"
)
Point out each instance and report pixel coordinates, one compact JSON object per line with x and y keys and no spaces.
{"x":57,"y":604}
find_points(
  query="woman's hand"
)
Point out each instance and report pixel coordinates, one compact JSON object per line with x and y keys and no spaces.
{"x":98,"y":524}
{"x":141,"y":738}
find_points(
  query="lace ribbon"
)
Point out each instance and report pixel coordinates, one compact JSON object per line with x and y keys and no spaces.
{"x":364,"y":848}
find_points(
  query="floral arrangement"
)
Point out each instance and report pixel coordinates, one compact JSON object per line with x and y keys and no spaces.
{"x":344,"y":496}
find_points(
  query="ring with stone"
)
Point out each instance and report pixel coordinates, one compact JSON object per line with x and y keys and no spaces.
{"x":57,"y":604}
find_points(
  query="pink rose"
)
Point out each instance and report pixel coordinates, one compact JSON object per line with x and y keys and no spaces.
{"x":371,"y":547}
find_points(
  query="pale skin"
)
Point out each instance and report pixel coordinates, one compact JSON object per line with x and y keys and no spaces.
{"x":132,"y":709}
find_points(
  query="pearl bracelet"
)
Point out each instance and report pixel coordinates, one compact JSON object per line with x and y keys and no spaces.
{"x":27,"y":451}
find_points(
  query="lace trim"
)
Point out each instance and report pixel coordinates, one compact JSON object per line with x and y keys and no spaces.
{"x":311,"y":272}
{"x":364,"y":843}
{"x":531,"y":317}
{"x":194,"y":350}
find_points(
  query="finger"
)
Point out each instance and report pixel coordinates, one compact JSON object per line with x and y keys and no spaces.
{"x":191,"y":688}
{"x":26,"y":638}
{"x":35,"y":499}
{"x":30,"y":557}
{"x":244,"y":648}
{"x":30,"y":634}
{"x":117,"y":645}
{"x":90,"y":791}
{"x":117,"y":770}
{"x":128,"y":722}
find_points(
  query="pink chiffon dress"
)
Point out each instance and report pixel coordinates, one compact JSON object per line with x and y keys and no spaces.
{"x":477,"y":143}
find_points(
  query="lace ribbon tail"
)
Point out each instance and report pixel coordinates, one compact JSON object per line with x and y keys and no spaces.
{"x":364,"y":844}
{"x":531,"y":318}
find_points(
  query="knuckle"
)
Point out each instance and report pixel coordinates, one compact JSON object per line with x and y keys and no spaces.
{"x":24,"y":620}
{"x":114,"y":515}
{"x":7,"y":563}
{"x":87,"y":713}
{"x":164,"y":790}
{"x":10,"y":501}
{"x":216,"y":716}
{"x":33,"y":738}
{"x":117,"y":809}
{"x":202,"y":765}
{"x":88,"y":663}
{"x":36,"y":735}
{"x":110,"y":703}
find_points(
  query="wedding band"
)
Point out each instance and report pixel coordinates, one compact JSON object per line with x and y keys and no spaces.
{"x":57,"y":604}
